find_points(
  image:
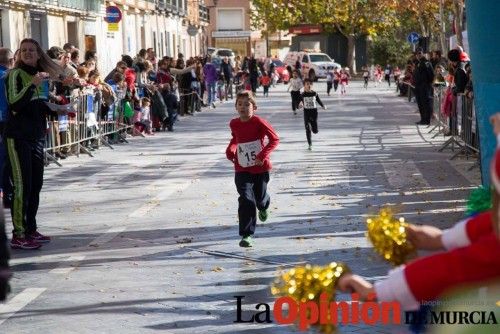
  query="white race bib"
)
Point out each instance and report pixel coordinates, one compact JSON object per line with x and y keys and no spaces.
{"x":309,"y":102}
{"x":247,"y":153}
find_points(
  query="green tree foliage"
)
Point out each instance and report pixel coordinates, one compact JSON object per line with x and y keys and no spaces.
{"x":385,"y":49}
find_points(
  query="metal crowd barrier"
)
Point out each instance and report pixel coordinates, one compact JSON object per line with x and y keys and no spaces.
{"x":88,"y":129}
{"x":461,"y":125}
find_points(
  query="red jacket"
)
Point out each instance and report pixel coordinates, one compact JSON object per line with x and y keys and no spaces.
{"x":130,"y":79}
{"x":254,"y":129}
{"x":472,"y":256}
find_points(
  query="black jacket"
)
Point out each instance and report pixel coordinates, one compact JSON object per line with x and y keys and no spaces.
{"x":461,"y":78}
{"x":423,"y":76}
{"x":28,"y":112}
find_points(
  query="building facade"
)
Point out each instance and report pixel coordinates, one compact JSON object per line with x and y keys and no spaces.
{"x":230,"y":26}
{"x":169,"y":26}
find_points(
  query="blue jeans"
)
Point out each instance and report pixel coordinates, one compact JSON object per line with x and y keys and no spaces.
{"x":210,"y":91}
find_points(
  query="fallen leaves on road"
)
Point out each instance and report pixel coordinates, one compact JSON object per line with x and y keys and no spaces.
{"x":217,"y":269}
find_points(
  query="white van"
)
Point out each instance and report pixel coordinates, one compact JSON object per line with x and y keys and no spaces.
{"x":314,"y":64}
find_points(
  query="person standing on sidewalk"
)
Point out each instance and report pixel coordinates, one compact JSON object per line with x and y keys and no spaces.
{"x":210,"y":75}
{"x":296,"y":85}
{"x":251,"y":163}
{"x":27,"y":87}
{"x":423,"y":77}
{"x":6,"y":63}
{"x":308,"y":99}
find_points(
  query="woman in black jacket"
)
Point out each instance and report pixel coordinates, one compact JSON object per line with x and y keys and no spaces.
{"x":27,"y":87}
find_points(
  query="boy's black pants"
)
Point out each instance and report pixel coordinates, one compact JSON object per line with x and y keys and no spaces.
{"x":311,"y":123}
{"x":26,"y":161}
{"x":252,"y":189}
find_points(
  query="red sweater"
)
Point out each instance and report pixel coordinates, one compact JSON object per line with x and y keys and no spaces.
{"x":255,"y":129}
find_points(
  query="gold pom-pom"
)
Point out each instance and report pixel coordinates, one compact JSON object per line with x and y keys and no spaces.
{"x":389,"y":238}
{"x":307,"y":283}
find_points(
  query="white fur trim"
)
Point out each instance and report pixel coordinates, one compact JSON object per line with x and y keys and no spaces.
{"x":395,"y":287}
{"x":456,"y":236}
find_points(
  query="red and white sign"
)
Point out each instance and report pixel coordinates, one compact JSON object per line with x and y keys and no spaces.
{"x":305,"y":30}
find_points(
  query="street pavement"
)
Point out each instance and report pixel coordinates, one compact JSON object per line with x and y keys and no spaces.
{"x":145,"y":236}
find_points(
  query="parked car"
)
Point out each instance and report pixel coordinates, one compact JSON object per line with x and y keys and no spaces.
{"x":219,"y":53}
{"x":314,"y":65}
{"x":280,"y":68}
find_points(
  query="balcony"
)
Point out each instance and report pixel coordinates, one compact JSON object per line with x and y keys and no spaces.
{"x":81,"y":5}
{"x":204,"y":13}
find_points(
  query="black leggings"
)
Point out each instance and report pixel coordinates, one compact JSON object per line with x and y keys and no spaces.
{"x":310,"y":123}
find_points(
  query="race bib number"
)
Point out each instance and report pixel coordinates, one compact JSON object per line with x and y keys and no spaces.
{"x":247,"y":153}
{"x":309,"y":102}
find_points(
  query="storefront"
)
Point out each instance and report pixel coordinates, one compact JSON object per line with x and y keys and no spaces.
{"x":238,"y":41}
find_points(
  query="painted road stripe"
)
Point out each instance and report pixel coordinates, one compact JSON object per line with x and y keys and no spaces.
{"x":404,"y":174}
{"x":19,"y":301}
{"x":108,"y":236}
{"x":68,"y":266}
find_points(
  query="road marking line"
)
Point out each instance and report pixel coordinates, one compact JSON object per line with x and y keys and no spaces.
{"x":64,"y":269}
{"x":19,"y":302}
{"x":107,"y":236}
{"x":404,"y":174}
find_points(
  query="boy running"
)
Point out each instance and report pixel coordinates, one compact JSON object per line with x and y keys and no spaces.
{"x":251,"y":163}
{"x":308,"y":100}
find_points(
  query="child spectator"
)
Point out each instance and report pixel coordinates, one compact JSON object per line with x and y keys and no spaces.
{"x":295,"y":84}
{"x":308,"y":100}
{"x":146,"y":115}
{"x":265,"y":81}
{"x":172,"y":104}
{"x":251,"y":163}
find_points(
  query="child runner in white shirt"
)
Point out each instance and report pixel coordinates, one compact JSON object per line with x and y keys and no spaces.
{"x":295,"y":84}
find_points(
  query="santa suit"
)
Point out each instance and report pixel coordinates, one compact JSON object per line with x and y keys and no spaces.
{"x":472,"y":256}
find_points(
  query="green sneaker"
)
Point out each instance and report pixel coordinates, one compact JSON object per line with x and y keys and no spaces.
{"x":263,"y":215}
{"x":246,"y":241}
{"x":310,"y":148}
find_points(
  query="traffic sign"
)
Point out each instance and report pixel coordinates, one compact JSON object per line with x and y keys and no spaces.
{"x":113,"y":14}
{"x":192,"y":30}
{"x":413,"y":38}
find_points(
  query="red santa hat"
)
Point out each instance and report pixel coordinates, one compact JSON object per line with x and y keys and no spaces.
{"x":464,"y":56}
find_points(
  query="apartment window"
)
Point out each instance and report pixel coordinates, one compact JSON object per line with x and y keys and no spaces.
{"x":230,"y":19}
{"x":168,"y":44}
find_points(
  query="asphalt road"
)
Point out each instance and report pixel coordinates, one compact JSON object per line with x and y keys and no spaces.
{"x":145,"y":236}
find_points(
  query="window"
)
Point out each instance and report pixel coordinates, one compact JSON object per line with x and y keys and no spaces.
{"x":230,"y":19}
{"x":167,"y":42}
{"x":305,"y":58}
{"x":320,"y":57}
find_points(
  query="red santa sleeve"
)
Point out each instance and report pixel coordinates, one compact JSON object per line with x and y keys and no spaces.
{"x":467,"y":231}
{"x":427,"y":278}
{"x":395,"y":287}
